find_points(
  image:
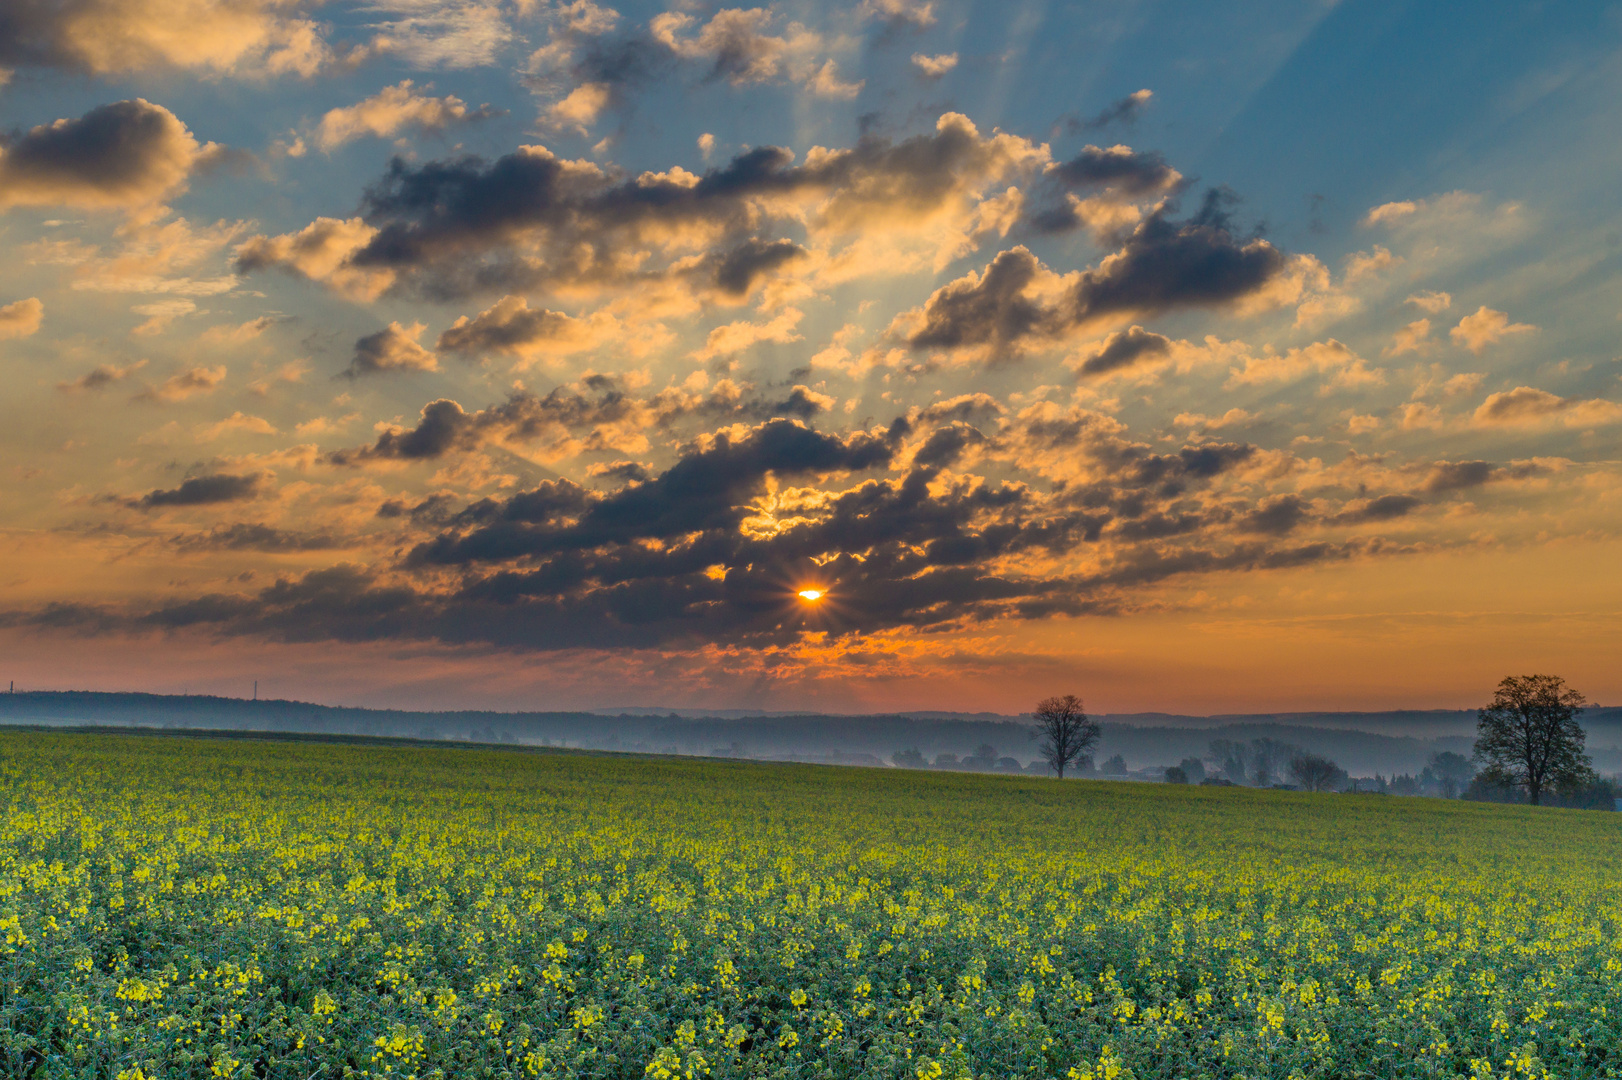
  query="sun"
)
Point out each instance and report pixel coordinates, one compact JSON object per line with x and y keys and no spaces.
{"x":813,"y":595}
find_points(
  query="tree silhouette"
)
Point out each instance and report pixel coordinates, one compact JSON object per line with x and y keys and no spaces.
{"x":1065,"y":730}
{"x":1529,"y":736}
{"x":1316,"y":773}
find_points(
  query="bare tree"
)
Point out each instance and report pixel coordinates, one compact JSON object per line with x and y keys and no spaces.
{"x":1065,"y":730}
{"x":1529,"y":736}
{"x":1316,"y":773}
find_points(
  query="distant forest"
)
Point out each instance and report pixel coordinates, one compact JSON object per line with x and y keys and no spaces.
{"x":1139,"y":745}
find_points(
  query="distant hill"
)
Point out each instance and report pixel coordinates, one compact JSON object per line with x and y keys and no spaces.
{"x":1362,"y":743}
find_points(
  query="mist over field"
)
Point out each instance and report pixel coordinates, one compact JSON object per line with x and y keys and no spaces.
{"x":1362,"y":743}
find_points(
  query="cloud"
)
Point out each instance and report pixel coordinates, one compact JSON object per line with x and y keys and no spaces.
{"x":1367,"y":264}
{"x":596,"y":414}
{"x":1388,"y":213}
{"x":441,"y":33}
{"x":321,"y":251}
{"x":581,"y":108}
{"x":933,"y":67}
{"x":206,"y":490}
{"x":1431,"y":302}
{"x":711,"y":548}
{"x":1485,"y":327}
{"x":391,"y":110}
{"x":536,"y":223}
{"x":393,"y":348}
{"x":161,"y":313}
{"x":1123,"y":350}
{"x":1122,"y":111}
{"x":734,"y":41}
{"x":1346,"y":369}
{"x":741,"y":268}
{"x":128,"y":155}
{"x":252,"y":536}
{"x":154,"y":254}
{"x":512,"y":328}
{"x":1118,"y":178}
{"x":1164,"y":265}
{"x":22,"y":318}
{"x":990,"y":308}
{"x":909,"y":12}
{"x":1442,"y":217}
{"x":120,"y":37}
{"x":738,"y":336}
{"x":1526,"y":406}
{"x":99,"y":376}
{"x":1382,"y":508}
{"x":238,"y":421}
{"x":1276,"y":515}
{"x":239,"y":334}
{"x":1413,"y":338}
{"x":186,"y":384}
{"x":1119,"y":168}
{"x":825,"y":82}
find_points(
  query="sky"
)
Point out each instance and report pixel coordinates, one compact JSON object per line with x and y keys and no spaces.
{"x":510,"y":354}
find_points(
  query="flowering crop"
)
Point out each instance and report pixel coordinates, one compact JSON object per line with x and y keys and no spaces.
{"x":195,"y":908}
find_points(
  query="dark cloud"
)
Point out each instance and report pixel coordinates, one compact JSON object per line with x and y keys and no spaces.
{"x":511,"y":327}
{"x":592,"y":408}
{"x":1130,"y":172}
{"x":127,"y":154}
{"x":1123,"y":111}
{"x":1167,"y":265}
{"x":444,"y":425}
{"x":1448,"y":476}
{"x":704,"y":491}
{"x":100,"y":376}
{"x":1115,"y":177}
{"x":1276,"y":516}
{"x":976,"y":408}
{"x":712,"y":548}
{"x":1124,"y":349}
{"x":393,"y":348}
{"x":1164,"y":265}
{"x":530,"y":221}
{"x":247,"y":536}
{"x":741,"y":267}
{"x":945,"y":445}
{"x":436,"y":509}
{"x":1383,"y":508}
{"x":987,"y":309}
{"x":204,"y":491}
{"x":626,"y":472}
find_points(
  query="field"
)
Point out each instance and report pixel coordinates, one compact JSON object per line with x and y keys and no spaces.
{"x":192,"y":908}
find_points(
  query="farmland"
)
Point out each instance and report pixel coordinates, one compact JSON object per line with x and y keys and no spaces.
{"x":176,"y":907}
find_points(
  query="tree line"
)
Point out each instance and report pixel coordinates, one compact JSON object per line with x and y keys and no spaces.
{"x":1529,"y":745}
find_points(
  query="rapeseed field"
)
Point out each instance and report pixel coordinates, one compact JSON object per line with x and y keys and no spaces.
{"x":193,"y":908}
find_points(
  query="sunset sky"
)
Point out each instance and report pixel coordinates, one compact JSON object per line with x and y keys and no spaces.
{"x":1182,"y":356}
